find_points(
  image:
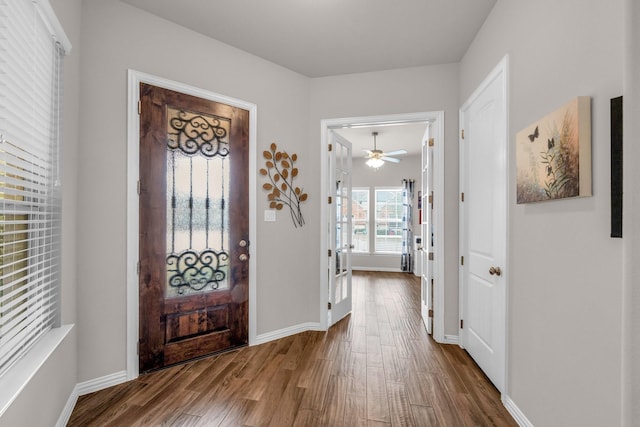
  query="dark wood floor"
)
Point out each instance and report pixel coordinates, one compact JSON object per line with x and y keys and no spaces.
{"x":377,"y":367}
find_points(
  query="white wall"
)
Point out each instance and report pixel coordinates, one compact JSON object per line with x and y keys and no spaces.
{"x":409,"y":90}
{"x":565,"y":276}
{"x":631,"y":313}
{"x":117,"y":37}
{"x":389,"y":175}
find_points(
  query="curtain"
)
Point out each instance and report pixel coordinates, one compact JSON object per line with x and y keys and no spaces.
{"x":406,"y":260}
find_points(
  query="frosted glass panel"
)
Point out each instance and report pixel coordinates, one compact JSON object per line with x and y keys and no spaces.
{"x":197,"y":193}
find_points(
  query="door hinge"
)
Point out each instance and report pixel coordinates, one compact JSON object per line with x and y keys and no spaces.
{"x":329,"y":253}
{"x":138,"y":268}
{"x":329,"y":305}
{"x":462,"y":133}
{"x":138,"y":189}
{"x":430,"y":313}
{"x":461,"y":323}
{"x":431,"y":199}
{"x":431,"y":282}
{"x":462,"y":197}
{"x":329,"y":199}
{"x":139,"y":107}
{"x":431,"y":142}
{"x":430,"y":256}
{"x":462,"y":260}
{"x":330,"y":147}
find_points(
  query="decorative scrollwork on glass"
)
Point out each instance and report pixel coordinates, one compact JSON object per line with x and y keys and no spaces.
{"x":190,"y":269}
{"x":194,"y":133}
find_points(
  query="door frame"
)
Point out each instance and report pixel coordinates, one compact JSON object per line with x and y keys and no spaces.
{"x":133,"y":166}
{"x":436,"y":118}
{"x":501,"y":70}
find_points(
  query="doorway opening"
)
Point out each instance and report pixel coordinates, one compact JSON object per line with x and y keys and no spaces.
{"x":433,"y":123}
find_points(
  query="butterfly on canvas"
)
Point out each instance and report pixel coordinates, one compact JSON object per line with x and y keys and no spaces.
{"x":534,"y":135}
{"x":551,"y":143}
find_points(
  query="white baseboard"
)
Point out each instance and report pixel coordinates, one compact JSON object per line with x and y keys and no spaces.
{"x":515,"y":412}
{"x":101,"y":383}
{"x":450,"y":339}
{"x":291,"y":330}
{"x":384,"y":269}
{"x":87,"y":387}
{"x":65,"y":416}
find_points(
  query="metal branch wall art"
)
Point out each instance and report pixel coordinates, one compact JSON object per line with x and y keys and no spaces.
{"x":281,"y":173}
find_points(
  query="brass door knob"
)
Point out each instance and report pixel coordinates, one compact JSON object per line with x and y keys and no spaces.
{"x":495,"y":270}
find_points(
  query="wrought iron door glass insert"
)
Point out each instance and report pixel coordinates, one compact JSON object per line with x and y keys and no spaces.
{"x":197,"y":190}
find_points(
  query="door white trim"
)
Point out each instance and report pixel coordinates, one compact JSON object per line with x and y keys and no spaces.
{"x":436,"y":118}
{"x":133,"y":162}
{"x":501,"y":70}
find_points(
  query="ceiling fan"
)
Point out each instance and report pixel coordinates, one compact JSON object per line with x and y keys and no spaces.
{"x":378,"y":157}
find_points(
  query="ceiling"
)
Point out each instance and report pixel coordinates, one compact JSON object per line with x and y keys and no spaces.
{"x":390,"y":138}
{"x":320,"y":38}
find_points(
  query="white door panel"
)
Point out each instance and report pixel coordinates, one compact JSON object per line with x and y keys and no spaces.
{"x":426,"y":232}
{"x":483,"y":226}
{"x":340,"y":228}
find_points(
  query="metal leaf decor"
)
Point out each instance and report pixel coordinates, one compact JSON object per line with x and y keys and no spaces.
{"x":281,"y":172}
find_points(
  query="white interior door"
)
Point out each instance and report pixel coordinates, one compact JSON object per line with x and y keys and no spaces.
{"x":427,"y":231}
{"x":483,"y":225}
{"x":340,"y":228}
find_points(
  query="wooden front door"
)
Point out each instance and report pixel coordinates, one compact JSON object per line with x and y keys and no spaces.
{"x":194,"y":227}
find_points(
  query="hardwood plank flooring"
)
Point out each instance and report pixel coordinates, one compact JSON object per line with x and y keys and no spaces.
{"x":376,"y":367}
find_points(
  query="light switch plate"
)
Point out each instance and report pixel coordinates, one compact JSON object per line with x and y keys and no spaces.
{"x":269,"y":215}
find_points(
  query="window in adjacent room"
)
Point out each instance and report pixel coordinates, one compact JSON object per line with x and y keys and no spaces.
{"x":360,"y":218}
{"x":388,"y":220}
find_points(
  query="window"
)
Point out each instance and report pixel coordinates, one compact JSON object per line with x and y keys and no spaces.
{"x":360,"y":219}
{"x":30,"y":60}
{"x":388,"y":220}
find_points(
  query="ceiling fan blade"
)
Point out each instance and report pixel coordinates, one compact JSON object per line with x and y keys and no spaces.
{"x":390,"y":159}
{"x":368,"y":151}
{"x":393,"y":153}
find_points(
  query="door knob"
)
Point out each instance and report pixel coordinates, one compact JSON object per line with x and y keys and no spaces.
{"x":243,"y":257}
{"x":495,"y":270}
{"x":242,"y":243}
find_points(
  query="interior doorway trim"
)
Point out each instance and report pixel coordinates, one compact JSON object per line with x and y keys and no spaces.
{"x":133,"y":162}
{"x":436,"y":119}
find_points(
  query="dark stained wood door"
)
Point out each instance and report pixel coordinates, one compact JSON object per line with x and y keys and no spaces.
{"x":194,"y":227}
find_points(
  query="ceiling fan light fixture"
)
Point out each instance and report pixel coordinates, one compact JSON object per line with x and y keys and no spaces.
{"x":375,"y":155}
{"x":374,"y":162}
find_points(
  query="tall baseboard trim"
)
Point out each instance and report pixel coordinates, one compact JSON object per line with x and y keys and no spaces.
{"x":291,"y":330}
{"x":450,"y":339}
{"x":65,"y":416}
{"x":515,"y":412}
{"x":87,"y":387}
{"x":383,"y":269}
{"x":101,"y":383}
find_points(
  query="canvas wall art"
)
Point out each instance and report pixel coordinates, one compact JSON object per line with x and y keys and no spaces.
{"x":553,"y":154}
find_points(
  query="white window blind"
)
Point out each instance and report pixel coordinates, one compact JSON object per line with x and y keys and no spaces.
{"x":30,"y":175}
